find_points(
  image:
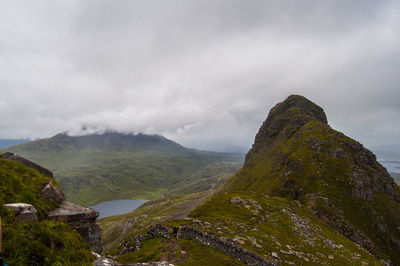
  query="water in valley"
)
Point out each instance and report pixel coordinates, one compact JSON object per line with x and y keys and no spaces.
{"x":115,"y":207}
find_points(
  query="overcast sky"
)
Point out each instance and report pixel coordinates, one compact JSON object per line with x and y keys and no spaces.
{"x":203,"y":73}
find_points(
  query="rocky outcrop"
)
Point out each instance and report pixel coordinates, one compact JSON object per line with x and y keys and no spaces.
{"x":38,"y":187}
{"x":13,"y":157}
{"x":102,"y":261}
{"x":23,"y":211}
{"x":82,"y":219}
{"x":295,"y":111}
{"x":50,"y":192}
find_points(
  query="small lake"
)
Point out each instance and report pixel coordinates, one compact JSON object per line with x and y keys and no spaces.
{"x":115,"y":207}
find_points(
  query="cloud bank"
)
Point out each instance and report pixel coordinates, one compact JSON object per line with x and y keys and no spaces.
{"x":203,"y":73}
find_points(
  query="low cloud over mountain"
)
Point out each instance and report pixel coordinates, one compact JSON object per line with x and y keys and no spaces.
{"x":200,"y":72}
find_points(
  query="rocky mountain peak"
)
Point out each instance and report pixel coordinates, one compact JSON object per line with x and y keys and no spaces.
{"x":303,"y":106}
{"x":285,"y":118}
{"x":296,"y":155}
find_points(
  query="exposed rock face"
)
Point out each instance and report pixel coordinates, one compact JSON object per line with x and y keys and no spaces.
{"x":82,"y":219}
{"x":238,"y":200}
{"x":50,"y":192}
{"x":13,"y":157}
{"x":285,"y":113}
{"x":25,"y":212}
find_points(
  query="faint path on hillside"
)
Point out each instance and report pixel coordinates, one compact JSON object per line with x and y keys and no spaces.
{"x":175,"y":253}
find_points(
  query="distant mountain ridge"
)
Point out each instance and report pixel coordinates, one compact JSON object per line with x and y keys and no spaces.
{"x":109,"y":140}
{"x":9,"y":142}
{"x":101,"y":167}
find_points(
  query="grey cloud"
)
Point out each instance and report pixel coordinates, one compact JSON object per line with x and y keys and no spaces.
{"x":204,"y":73}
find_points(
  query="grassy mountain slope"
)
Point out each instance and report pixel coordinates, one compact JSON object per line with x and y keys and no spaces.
{"x":276,"y":228}
{"x":35,"y":243}
{"x":178,"y":202}
{"x":179,"y":252}
{"x":97,"y":168}
{"x":306,"y":195}
{"x":296,"y":155}
{"x":268,"y":225}
{"x":116,"y":228}
{"x":209,"y":177}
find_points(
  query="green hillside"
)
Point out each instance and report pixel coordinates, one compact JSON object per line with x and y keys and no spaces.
{"x":96,"y":168}
{"x":280,"y":230}
{"x":306,"y":195}
{"x":268,"y":225}
{"x":177,"y":203}
{"x":116,"y":228}
{"x":296,"y":155}
{"x":35,"y":243}
{"x":207,"y":178}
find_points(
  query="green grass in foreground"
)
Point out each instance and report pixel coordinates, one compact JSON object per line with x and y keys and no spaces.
{"x":179,"y":252}
{"x":35,"y":243}
{"x":43,"y":243}
{"x":22,"y":184}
